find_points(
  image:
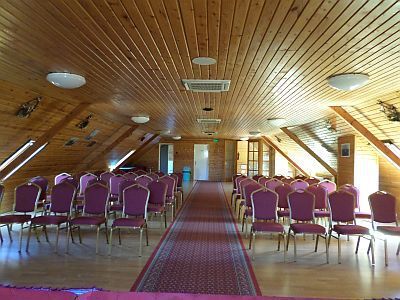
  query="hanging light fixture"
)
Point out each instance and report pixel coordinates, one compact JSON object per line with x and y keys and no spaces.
{"x":140,"y":119}
{"x":66,"y":80}
{"x":348,"y":82}
{"x":176,"y":138}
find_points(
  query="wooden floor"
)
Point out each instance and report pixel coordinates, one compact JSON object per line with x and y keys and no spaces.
{"x":309,"y":276}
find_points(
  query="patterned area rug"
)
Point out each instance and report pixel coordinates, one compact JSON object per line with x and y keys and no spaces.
{"x":202,"y":252}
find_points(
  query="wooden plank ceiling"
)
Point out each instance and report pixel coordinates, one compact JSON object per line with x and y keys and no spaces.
{"x":134,"y":54}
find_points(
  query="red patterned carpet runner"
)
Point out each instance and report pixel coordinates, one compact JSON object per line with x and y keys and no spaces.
{"x":202,"y":252}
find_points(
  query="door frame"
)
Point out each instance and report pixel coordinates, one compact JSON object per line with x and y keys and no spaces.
{"x":159,"y":153}
{"x":194,"y":161}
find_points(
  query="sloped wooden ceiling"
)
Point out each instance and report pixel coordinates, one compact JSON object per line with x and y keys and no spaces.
{"x":134,"y":54}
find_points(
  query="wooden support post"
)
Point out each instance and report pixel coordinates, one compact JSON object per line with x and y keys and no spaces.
{"x":269,"y":142}
{"x":45,"y":138}
{"x":379,"y":146}
{"x":299,"y":142}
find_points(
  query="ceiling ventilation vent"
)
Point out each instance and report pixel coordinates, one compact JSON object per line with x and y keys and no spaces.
{"x":210,"y":132}
{"x":209,"y":121}
{"x":213,"y":86}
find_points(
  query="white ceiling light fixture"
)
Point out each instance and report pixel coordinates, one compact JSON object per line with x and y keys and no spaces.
{"x":244,"y":138}
{"x":276,"y":121}
{"x":176,"y":138}
{"x":140,"y":119}
{"x":348,"y":82}
{"x":255,"y":133}
{"x":66,"y":80}
{"x":204,"y":61}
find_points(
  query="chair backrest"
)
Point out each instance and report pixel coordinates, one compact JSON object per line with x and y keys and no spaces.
{"x":237,"y":182}
{"x":130,"y":175}
{"x":264,"y":203}
{"x":301,"y":205}
{"x":143,"y":180}
{"x":312,"y":180}
{"x":299,"y":184}
{"x":278,"y":176}
{"x":96,"y":199}
{"x":248,"y":189}
{"x":300,"y":176}
{"x":383,"y":207}
{"x":60,"y":177}
{"x":123,"y":185}
{"x":234,"y":179}
{"x":106,"y":176}
{"x":159,"y":173}
{"x":62,"y":197}
{"x":180,"y":178}
{"x":283,"y":191}
{"x":26,"y":197}
{"x":114,"y":184}
{"x":96,"y":180}
{"x":153,"y":176}
{"x":352,"y":190}
{"x":84,"y":180}
{"x":118,"y":172}
{"x":321,"y":196}
{"x":256,"y":177}
{"x":341,"y":206}
{"x":170,"y":183}
{"x":272,"y":184}
{"x":140,"y":172}
{"x":136,"y":198}
{"x":242,"y":183}
{"x":71,"y":180}
{"x":158,"y":192}
{"x":287,"y":180}
{"x":329,"y":185}
{"x":174,"y":176}
{"x":43,"y":183}
{"x":263,"y":179}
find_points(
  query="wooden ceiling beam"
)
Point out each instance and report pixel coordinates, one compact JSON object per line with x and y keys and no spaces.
{"x":357,"y":126}
{"x":299,"y":142}
{"x":45,"y":137}
{"x":272,"y":144}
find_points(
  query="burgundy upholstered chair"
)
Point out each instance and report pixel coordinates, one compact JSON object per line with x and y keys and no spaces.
{"x":83,"y":182}
{"x":158,"y":196}
{"x":279,"y":176}
{"x":356,"y":192}
{"x":299,"y":184}
{"x":2,"y":189}
{"x":159,"y":173}
{"x":383,"y":208}
{"x":130,"y":175}
{"x":179,"y":183}
{"x":287,"y":179}
{"x":240,"y":197}
{"x":71,"y":180}
{"x":60,"y":177}
{"x":283,"y":191}
{"x":236,"y":190}
{"x":256,"y":177}
{"x":114,"y":186}
{"x":43,"y":183}
{"x":273,"y":183}
{"x":312,"y":180}
{"x":118,"y":205}
{"x":106,"y":177}
{"x":153,"y":176}
{"x":263,"y":179}
{"x":341,"y":207}
{"x":26,"y":199}
{"x":143,"y":180}
{"x":178,"y":193}
{"x":321,"y":200}
{"x":264,"y":217}
{"x":60,"y":210}
{"x":300,"y":176}
{"x":140,"y":172}
{"x":301,"y":205}
{"x":134,"y":214}
{"x":329,"y":185}
{"x":170,"y":198}
{"x":94,"y":211}
{"x":248,"y":189}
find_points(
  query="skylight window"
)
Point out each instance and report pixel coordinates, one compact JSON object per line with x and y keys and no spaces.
{"x":17,"y":153}
{"x":114,"y":166}
{"x":25,"y":161}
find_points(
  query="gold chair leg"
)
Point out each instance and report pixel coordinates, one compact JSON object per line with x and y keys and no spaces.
{"x":110,"y":242}
{"x":29,"y":238}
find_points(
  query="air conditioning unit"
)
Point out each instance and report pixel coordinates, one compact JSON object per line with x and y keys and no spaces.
{"x":206,"y":86}
{"x":209,"y":121}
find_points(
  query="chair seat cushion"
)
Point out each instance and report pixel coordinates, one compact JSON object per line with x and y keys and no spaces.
{"x":88,"y":220}
{"x":8,"y":219}
{"x":49,"y":220}
{"x":268,"y":227}
{"x":321,"y":214}
{"x":128,"y":222}
{"x":350,"y":229}
{"x":362,"y":215}
{"x":307,"y":228}
{"x":155,"y":208}
{"x":116,"y":207}
{"x":283,"y":213}
{"x":389,"y":230}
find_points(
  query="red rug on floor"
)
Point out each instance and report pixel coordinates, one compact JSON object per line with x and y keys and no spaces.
{"x":201,"y":252}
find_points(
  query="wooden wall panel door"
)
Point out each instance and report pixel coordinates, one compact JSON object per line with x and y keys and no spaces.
{"x":346,"y":147}
{"x":230,"y":158}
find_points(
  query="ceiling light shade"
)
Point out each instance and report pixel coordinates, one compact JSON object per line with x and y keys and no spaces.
{"x":66,"y":80}
{"x":204,"y":61}
{"x":276,"y":121}
{"x":348,"y":82}
{"x":244,"y":138}
{"x":255,"y":133}
{"x":140,"y":119}
{"x":176,"y":138}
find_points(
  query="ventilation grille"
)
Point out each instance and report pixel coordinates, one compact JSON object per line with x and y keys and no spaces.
{"x":213,"y":86}
{"x":210,"y":132}
{"x":209,"y":121}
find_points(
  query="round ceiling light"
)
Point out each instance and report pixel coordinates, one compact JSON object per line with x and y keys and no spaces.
{"x":204,"y":61}
{"x":348,"y":82}
{"x":140,"y":119}
{"x":176,"y":138}
{"x":276,"y":121}
{"x":244,"y":138}
{"x":66,"y":80}
{"x":255,"y":133}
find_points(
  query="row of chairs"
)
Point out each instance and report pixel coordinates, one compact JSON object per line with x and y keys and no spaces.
{"x":338,"y":206}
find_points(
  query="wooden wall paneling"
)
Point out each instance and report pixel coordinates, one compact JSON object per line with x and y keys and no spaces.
{"x":270,"y":143}
{"x":389,"y":180}
{"x":230,"y":159}
{"x":346,"y":164}
{"x":141,"y":150}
